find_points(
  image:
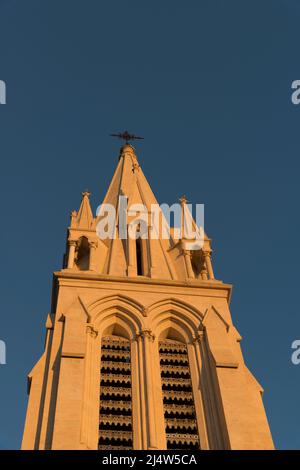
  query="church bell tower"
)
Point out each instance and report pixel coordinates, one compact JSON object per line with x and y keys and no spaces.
{"x":140,"y":349}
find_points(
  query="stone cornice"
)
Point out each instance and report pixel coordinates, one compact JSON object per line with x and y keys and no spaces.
{"x":76,"y":229}
{"x":190,"y":284}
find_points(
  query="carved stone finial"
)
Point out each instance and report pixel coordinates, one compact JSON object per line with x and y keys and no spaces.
{"x":183,"y":200}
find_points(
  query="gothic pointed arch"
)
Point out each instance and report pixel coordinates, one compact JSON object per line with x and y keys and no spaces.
{"x":184,"y":312}
{"x":117,"y":320}
{"x":119,"y":300}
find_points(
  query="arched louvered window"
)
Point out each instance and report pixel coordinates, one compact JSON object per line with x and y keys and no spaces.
{"x":178,"y":401}
{"x":115,"y":421}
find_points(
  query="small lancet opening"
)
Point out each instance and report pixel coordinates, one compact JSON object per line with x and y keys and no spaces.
{"x":197,"y":263}
{"x":139,"y":257}
{"x":82,"y":260}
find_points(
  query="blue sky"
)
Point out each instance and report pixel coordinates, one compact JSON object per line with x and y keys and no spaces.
{"x":208,"y":84}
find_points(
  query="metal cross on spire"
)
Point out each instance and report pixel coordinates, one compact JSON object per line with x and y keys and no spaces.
{"x":126,"y":136}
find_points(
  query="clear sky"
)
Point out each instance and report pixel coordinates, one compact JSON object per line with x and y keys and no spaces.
{"x":208,"y":84}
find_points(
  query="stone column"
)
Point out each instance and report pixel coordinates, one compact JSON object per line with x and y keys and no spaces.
{"x":203,"y":273}
{"x":207,"y":257}
{"x":143,"y":419}
{"x":147,"y":339}
{"x":71,"y":257}
{"x":198,"y":388}
{"x":131,"y":257}
{"x":188,"y":263}
{"x":93,"y":245}
{"x":150,"y":264}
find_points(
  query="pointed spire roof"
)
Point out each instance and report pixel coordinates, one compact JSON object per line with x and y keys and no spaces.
{"x":192,"y":235}
{"x":130,"y":181}
{"x":83,"y":219}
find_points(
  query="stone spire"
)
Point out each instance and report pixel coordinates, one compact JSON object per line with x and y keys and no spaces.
{"x":83,"y":219}
{"x":130,"y":181}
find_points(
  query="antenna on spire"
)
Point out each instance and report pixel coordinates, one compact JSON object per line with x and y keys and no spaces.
{"x":126,"y":136}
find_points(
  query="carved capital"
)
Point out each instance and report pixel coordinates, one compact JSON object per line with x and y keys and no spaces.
{"x":93,"y":244}
{"x":72,"y":242}
{"x":199,"y":337}
{"x":91,"y":331}
{"x":186,"y":252}
{"x":147,"y":333}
